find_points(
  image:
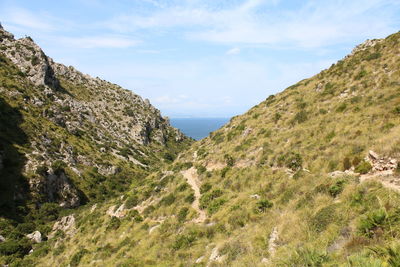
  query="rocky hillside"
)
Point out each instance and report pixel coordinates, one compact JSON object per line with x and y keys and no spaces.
{"x":309,"y":177}
{"x":68,"y":138}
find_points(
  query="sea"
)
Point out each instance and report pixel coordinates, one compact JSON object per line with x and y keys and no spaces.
{"x":198,"y":128}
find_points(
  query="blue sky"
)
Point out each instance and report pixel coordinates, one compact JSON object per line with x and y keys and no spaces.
{"x":196,"y":58}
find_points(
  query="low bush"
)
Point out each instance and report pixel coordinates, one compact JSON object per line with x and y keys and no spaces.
{"x":337,"y":188}
{"x":190,"y":198}
{"x":371,"y":222}
{"x":114,"y":223}
{"x":131,"y":201}
{"x":323,"y":218}
{"x":346,"y":164}
{"x":184,"y":241}
{"x":183,"y":212}
{"x":363,"y":167}
{"x":294,"y":161}
{"x":263,"y":205}
{"x":76,"y":258}
{"x":205,"y":188}
{"x":229,"y":160}
{"x":168,"y":200}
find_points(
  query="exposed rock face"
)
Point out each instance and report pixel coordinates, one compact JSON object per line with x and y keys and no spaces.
{"x":363,"y":46}
{"x":35,"y":237}
{"x":57,"y":188}
{"x":119,"y":213}
{"x":65,"y":224}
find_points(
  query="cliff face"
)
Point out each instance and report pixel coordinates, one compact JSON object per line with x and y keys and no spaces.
{"x":79,"y":130}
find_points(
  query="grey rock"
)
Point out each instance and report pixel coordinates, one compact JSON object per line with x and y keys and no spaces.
{"x":2,"y":239}
{"x":373,"y":155}
{"x":66,"y":224}
{"x":35,"y":237}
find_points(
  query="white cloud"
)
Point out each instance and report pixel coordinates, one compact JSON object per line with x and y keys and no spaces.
{"x":233,"y":51}
{"x":99,"y":41}
{"x":19,"y":17}
{"x":313,"y":24}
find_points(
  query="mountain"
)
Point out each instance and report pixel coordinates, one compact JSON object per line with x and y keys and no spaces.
{"x":68,"y":138}
{"x":308,"y":177}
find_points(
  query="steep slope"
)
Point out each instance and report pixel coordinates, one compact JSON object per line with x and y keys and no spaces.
{"x":305,"y":178}
{"x":68,"y":138}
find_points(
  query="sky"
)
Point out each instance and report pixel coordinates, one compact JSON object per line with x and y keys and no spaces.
{"x":192,"y":58}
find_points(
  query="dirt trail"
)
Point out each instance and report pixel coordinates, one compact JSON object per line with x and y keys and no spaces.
{"x":193,"y":180}
{"x":386,"y":178}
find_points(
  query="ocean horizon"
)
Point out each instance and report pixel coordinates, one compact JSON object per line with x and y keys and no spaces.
{"x":198,"y":128}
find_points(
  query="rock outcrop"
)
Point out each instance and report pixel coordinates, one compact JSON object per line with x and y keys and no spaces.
{"x":66,"y":224}
{"x":381,"y":163}
{"x":35,"y":237}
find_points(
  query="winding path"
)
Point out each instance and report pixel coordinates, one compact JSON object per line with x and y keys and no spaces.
{"x":193,"y":180}
{"x":386,"y":178}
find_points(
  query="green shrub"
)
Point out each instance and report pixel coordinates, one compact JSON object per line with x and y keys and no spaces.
{"x":342,"y":107}
{"x":182,"y":187}
{"x":346,"y":163}
{"x":169,"y":157}
{"x":131,"y":201}
{"x":373,"y":56}
{"x":361,"y":74}
{"x":205,"y":188}
{"x":201,"y":169}
{"x":323,"y":218}
{"x":215,"y":204}
{"x":356,"y":161}
{"x":224,"y":171}
{"x":183,"y":212}
{"x":168,"y":200}
{"x":300,"y":117}
{"x":184,"y":241}
{"x":363,"y":168}
{"x":75,"y":260}
{"x":306,"y":257}
{"x":294,"y":161}
{"x":371,"y":221}
{"x":206,"y":199}
{"x":263,"y":205}
{"x":337,"y":188}
{"x":229,"y":160}
{"x":114,"y":223}
{"x":277,"y":117}
{"x":49,"y":211}
{"x":190,"y":198}
{"x":17,"y":248}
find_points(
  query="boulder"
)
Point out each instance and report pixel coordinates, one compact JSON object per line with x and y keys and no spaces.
{"x":35,"y":237}
{"x":2,"y":239}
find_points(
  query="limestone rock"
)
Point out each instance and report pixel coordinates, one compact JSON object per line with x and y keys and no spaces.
{"x":57,"y":188}
{"x":66,"y":224}
{"x":35,"y":237}
{"x":119,"y":213}
{"x":373,"y":155}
